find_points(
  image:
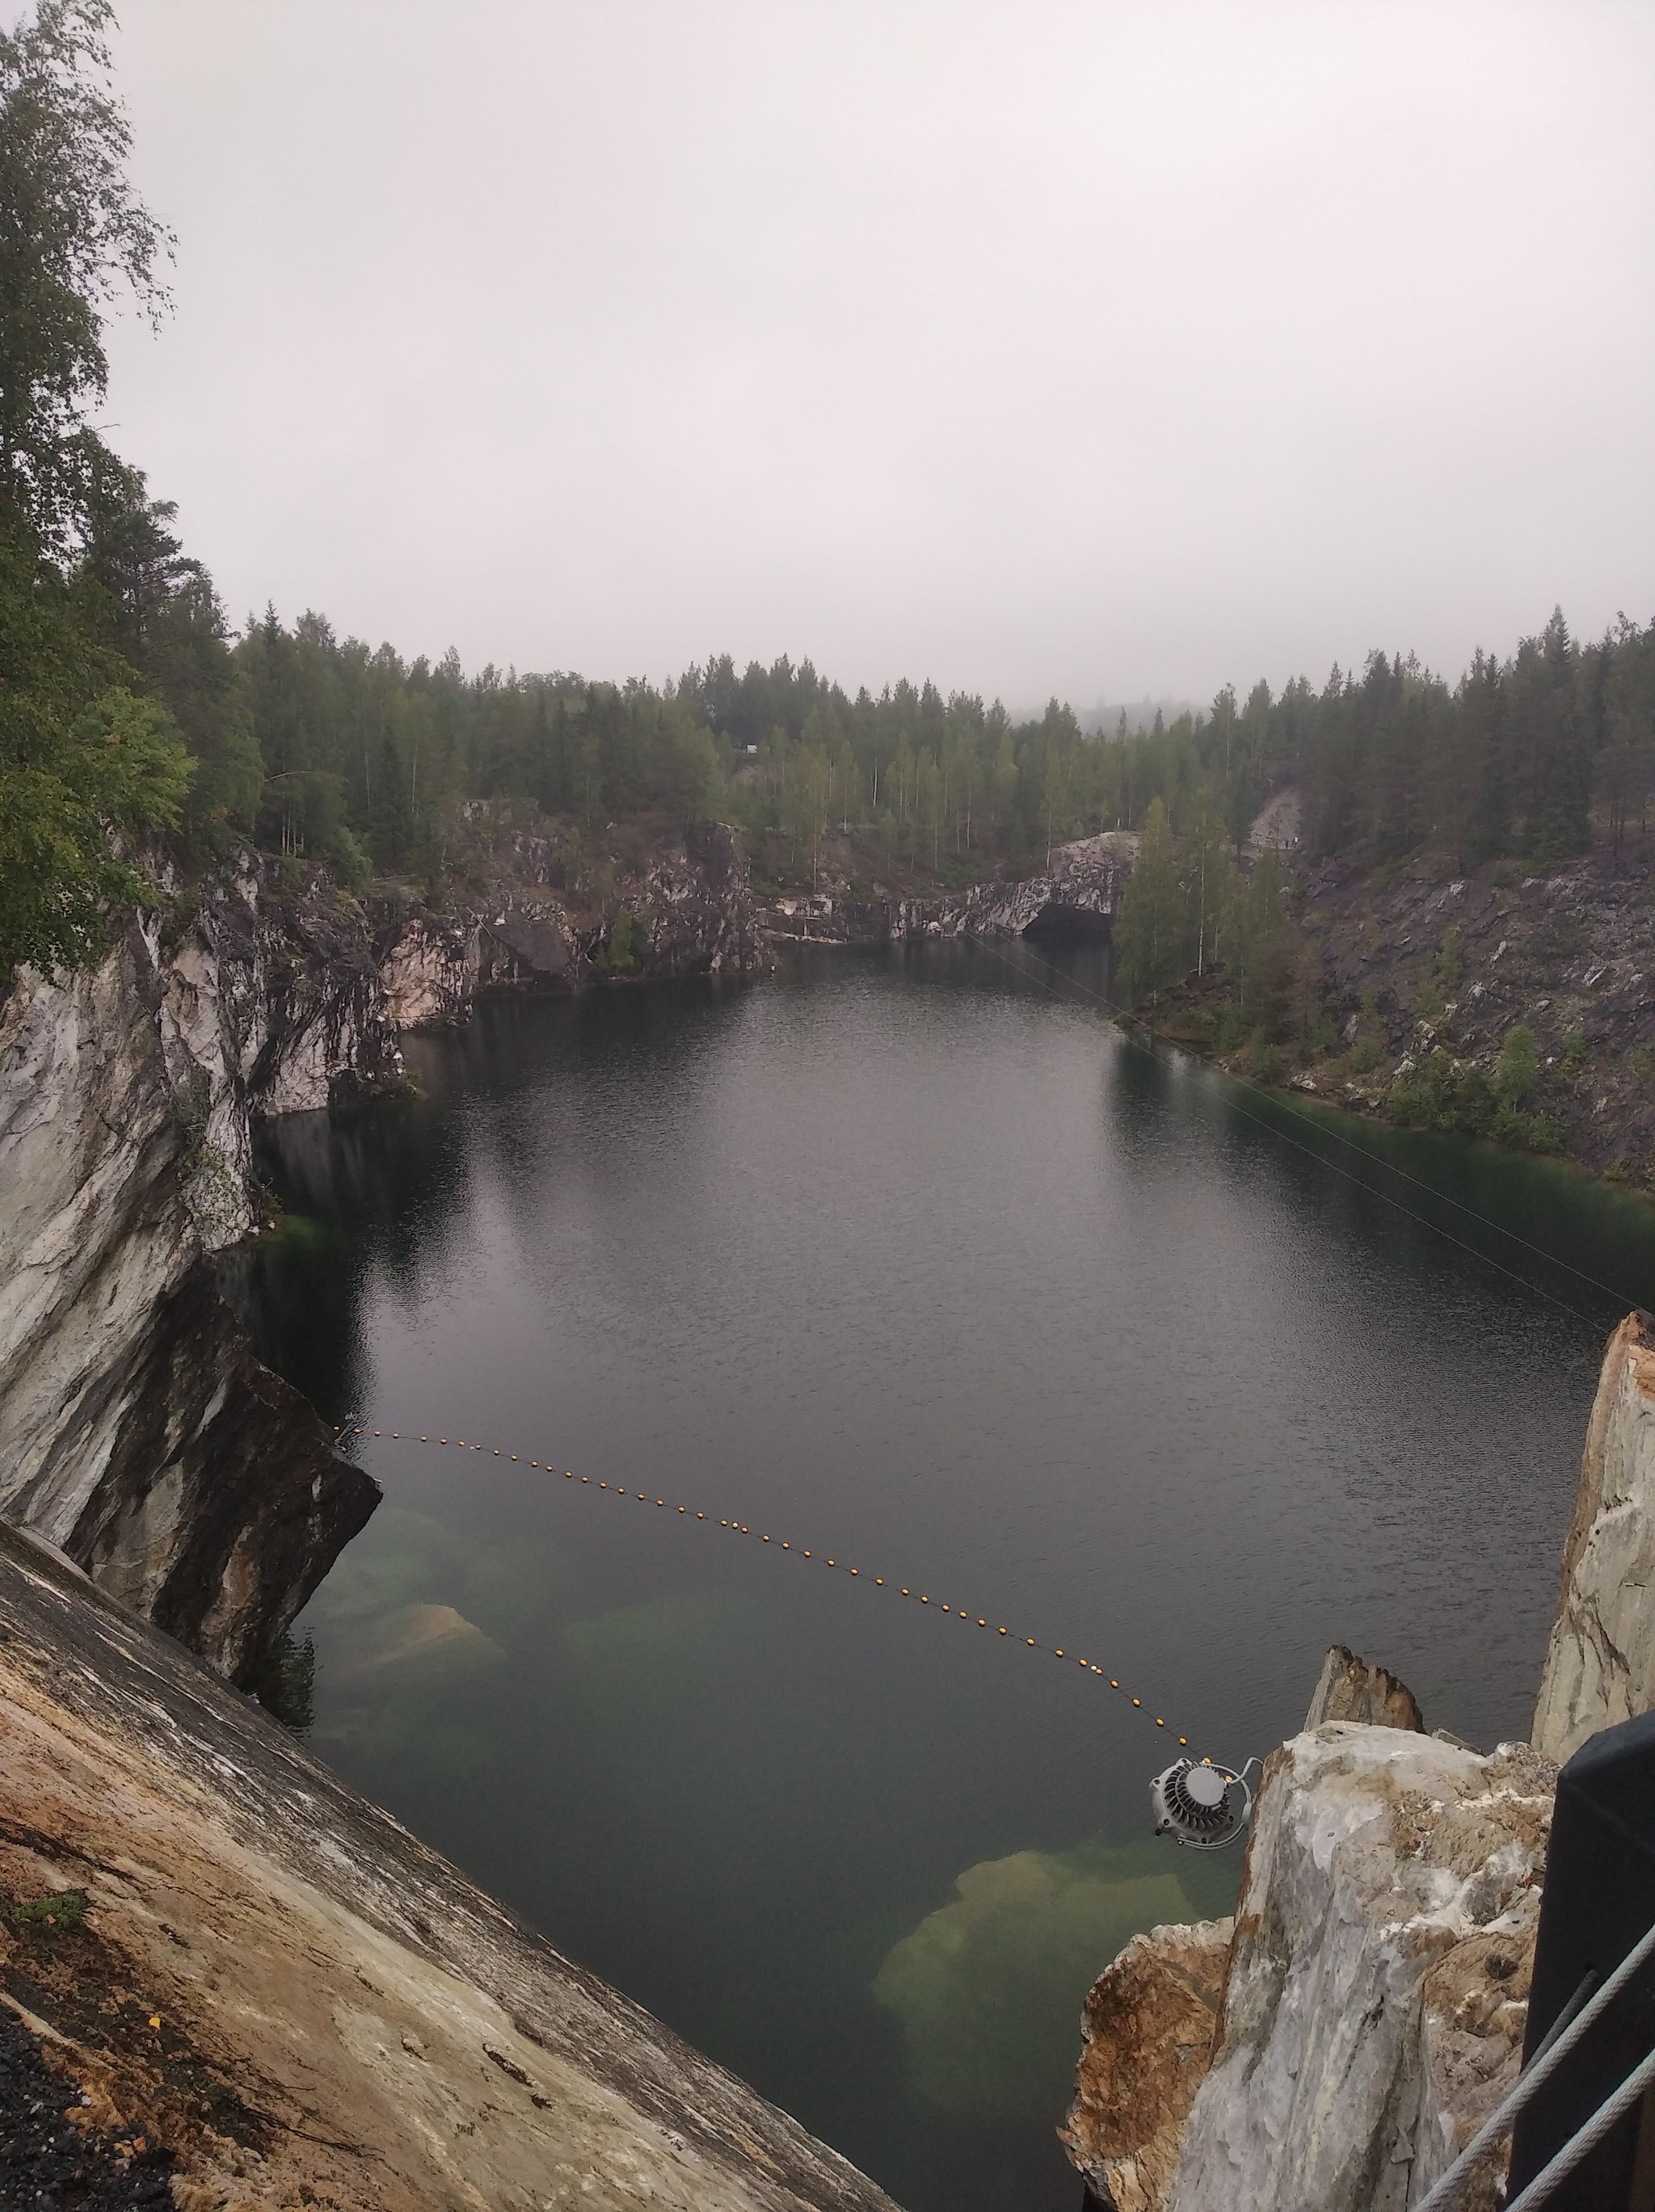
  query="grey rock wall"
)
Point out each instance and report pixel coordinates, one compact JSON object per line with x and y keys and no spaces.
{"x":1600,"y":1660}
{"x":136,"y":1431}
{"x":1079,"y":894}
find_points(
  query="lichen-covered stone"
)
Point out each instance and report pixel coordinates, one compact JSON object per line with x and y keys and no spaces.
{"x":1146,"y":2036}
{"x":1385,"y":1871}
{"x":1600,"y":1661}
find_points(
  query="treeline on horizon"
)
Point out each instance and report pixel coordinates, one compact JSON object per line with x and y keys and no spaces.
{"x":131,"y":711}
{"x":362,"y":755}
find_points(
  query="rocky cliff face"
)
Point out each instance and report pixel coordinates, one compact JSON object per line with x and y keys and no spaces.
{"x":1376,"y":1986}
{"x":1600,"y":1662}
{"x":525,"y":911}
{"x":136,"y":1431}
{"x":1566,"y":953}
{"x":1080,"y":895}
{"x":1146,"y":2039}
{"x":285,"y":2000}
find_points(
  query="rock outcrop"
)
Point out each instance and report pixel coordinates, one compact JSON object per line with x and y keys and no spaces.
{"x":136,"y":1431}
{"x":1353,"y":1689}
{"x":1146,"y":2036}
{"x":282,"y":1999}
{"x":1078,"y":896}
{"x":1377,"y":1988}
{"x":1600,"y":1661}
{"x":527,"y":909}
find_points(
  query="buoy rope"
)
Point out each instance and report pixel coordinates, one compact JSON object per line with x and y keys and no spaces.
{"x":814,"y":1554}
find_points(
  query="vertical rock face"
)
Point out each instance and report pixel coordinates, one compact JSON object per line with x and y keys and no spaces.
{"x":1600,"y":1662}
{"x":689,"y":910}
{"x":1377,"y":1981}
{"x":136,"y":1431}
{"x":1147,"y":2032}
{"x":1079,"y":895}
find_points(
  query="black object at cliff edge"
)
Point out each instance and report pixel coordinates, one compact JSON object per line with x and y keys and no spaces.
{"x":1599,"y":1901}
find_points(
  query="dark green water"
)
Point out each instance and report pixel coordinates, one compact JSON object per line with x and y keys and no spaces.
{"x":913,"y":1261}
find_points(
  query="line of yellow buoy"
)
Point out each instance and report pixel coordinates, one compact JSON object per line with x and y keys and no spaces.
{"x":741,"y":1528}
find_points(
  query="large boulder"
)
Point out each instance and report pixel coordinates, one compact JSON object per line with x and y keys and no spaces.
{"x":1376,"y":1991}
{"x":1147,"y":2032}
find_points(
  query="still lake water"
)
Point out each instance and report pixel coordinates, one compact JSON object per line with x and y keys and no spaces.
{"x":911,"y":1259}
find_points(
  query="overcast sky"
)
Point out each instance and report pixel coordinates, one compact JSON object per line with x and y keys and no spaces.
{"x":1103,"y":350}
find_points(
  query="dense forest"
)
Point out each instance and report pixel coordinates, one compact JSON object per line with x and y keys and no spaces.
{"x":131,"y":709}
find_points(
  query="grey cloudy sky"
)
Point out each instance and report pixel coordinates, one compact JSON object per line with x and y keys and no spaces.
{"x":1103,"y":350}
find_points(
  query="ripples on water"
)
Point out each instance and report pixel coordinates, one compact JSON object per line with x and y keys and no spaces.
{"x":914,"y":1259}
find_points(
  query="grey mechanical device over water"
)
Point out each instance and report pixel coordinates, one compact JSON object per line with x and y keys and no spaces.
{"x":1202,"y":1803}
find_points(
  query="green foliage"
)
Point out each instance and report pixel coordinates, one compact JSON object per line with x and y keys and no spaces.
{"x":1149,"y":929}
{"x":1519,"y":1067}
{"x":1450,"y":966}
{"x":118,"y":766}
{"x":285,"y":1684}
{"x":72,"y":237}
{"x":1263,"y":1061}
{"x":1643,"y":1061}
{"x":59,"y":1908}
{"x":622,"y":951}
{"x":1574,"y":1047}
{"x":1260,"y":937}
{"x":1366,"y":1055}
{"x":1428,"y":1001}
{"x":1437,"y":1095}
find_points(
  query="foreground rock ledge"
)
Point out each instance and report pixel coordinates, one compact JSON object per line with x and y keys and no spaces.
{"x":1371,"y":2002}
{"x":340,"y":2018}
{"x":1378,"y":1985}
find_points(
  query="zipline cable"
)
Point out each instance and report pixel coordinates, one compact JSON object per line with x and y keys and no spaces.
{"x":783,"y":1544}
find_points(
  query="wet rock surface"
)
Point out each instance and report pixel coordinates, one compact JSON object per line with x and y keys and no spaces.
{"x":288,"y":1998}
{"x":530,"y":906}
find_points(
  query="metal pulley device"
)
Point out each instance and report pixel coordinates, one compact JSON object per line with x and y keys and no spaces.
{"x":1202,"y":1803}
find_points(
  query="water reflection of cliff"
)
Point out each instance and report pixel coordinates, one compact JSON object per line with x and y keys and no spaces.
{"x":382,"y":1194}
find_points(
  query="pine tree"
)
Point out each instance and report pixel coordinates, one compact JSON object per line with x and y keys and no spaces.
{"x":1149,"y":930}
